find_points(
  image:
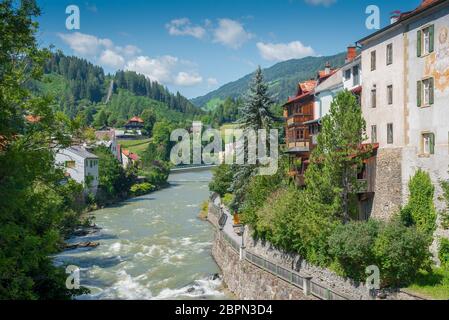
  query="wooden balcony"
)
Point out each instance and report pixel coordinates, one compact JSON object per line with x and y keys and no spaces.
{"x":299,"y":146}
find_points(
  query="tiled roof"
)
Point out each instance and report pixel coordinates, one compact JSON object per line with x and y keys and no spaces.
{"x":130,"y":155}
{"x":136,"y":119}
{"x":33,"y":119}
{"x":307,"y":86}
{"x":82,"y":152}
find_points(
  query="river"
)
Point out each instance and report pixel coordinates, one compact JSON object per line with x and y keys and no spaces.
{"x":152,"y":247}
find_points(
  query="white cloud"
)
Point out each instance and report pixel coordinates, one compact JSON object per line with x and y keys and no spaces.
{"x":284,"y":51}
{"x":211,"y":82}
{"x":158,"y":69}
{"x":231,"y":33}
{"x":187,"y":79}
{"x":183,"y":27}
{"x":85,"y":44}
{"x":325,"y":3}
{"x":165,"y":69}
{"x":112,"y":59}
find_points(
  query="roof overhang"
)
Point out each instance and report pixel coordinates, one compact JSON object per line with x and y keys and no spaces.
{"x":410,"y":17}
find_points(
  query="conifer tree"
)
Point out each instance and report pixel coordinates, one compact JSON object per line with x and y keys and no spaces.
{"x":331,"y":178}
{"x":255,"y":114}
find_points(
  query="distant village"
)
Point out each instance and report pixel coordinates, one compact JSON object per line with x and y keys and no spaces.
{"x":83,"y":166}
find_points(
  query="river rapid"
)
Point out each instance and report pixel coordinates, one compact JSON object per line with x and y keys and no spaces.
{"x":152,"y":247}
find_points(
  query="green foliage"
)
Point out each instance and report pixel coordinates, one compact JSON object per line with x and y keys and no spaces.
{"x":443,"y":253}
{"x":157,"y":173}
{"x":420,"y":209}
{"x":400,"y":252}
{"x":227,"y":199}
{"x":331,"y":176}
{"x":255,"y":114}
{"x":433,"y":284}
{"x":351,"y":247}
{"x":35,"y":206}
{"x":142,"y":189}
{"x":115,"y":182}
{"x":222,"y":179}
{"x":444,"y":215}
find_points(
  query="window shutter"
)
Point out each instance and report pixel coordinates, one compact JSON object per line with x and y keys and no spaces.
{"x":419,"y":95}
{"x":431,"y":94}
{"x":432,"y":143}
{"x":432,"y":38}
{"x":419,"y":43}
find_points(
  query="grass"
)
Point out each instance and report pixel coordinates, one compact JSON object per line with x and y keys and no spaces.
{"x":434,"y":285}
{"x":135,"y":146}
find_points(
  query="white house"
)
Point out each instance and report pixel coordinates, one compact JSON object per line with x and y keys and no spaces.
{"x":405,"y":71}
{"x":81,"y":165}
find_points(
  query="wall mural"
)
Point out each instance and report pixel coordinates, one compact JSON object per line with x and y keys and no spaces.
{"x":437,"y":63}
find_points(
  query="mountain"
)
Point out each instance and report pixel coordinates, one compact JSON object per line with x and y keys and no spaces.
{"x":79,"y":87}
{"x":282,"y":78}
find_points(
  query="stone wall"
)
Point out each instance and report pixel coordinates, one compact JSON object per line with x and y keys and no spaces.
{"x":249,"y":282}
{"x":388,"y":196}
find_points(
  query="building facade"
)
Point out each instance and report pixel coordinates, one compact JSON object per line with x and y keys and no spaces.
{"x":81,"y":166}
{"x":405,"y":71}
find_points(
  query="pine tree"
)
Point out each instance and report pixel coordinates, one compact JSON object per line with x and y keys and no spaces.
{"x":255,"y":114}
{"x":331,"y":178}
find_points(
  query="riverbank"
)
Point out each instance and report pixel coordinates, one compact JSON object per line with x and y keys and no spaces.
{"x":262,"y":272}
{"x":152,"y":247}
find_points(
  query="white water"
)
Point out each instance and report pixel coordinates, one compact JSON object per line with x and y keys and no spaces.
{"x":152,"y":247}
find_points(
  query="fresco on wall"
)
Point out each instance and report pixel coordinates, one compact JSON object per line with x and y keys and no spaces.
{"x":437,"y":64}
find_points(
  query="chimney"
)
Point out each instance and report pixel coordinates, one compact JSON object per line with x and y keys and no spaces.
{"x":352,"y":53}
{"x":395,"y":16}
{"x":327,"y":69}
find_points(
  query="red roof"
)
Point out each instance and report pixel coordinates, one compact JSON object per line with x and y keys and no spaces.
{"x":304,"y":90}
{"x":130,"y":155}
{"x":33,"y":119}
{"x":136,"y":119}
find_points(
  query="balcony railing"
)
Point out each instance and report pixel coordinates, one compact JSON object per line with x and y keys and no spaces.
{"x":303,"y":146}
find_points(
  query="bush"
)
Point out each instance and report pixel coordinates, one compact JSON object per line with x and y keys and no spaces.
{"x":222,"y":179}
{"x":443,"y":253}
{"x":227,"y":199}
{"x":351,"y":246}
{"x":400,"y":252}
{"x":142,"y":188}
{"x":420,"y":210}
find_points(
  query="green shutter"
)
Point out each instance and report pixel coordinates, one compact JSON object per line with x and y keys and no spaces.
{"x":419,"y":93}
{"x":432,"y":38}
{"x":432,"y":90}
{"x":419,"y":43}
{"x":432,"y":143}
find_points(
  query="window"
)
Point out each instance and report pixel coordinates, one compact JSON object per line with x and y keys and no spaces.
{"x":373,"y":98}
{"x":374,"y":134}
{"x":390,"y":94}
{"x":428,"y":143}
{"x":390,"y":133}
{"x":70,"y":164}
{"x":373,"y":60}
{"x":390,"y":54}
{"x":356,"y":76}
{"x":425,"y":41}
{"x":348,"y":74}
{"x":425,"y":91}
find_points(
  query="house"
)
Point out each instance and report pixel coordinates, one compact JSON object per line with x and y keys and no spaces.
{"x":135,"y":124}
{"x":129,"y":158}
{"x":405,"y":71}
{"x":297,"y":111}
{"x":80,"y":165}
{"x":108,"y":139}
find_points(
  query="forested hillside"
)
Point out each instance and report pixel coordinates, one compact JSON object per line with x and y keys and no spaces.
{"x":81,"y":88}
{"x":282,"y":79}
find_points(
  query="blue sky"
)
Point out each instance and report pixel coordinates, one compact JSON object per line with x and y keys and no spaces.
{"x":195,"y":46}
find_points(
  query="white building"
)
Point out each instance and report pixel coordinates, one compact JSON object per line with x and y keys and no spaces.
{"x":405,"y":71}
{"x":81,"y":165}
